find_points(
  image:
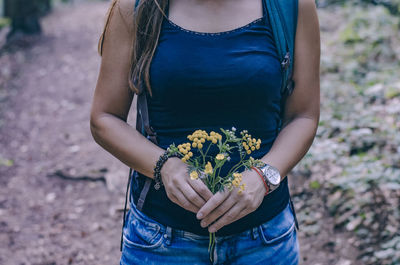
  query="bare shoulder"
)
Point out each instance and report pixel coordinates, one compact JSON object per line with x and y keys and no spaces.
{"x":118,"y":23}
{"x":307,"y":4}
{"x":308,"y":23}
{"x":126,"y":9}
{"x":307,"y":7}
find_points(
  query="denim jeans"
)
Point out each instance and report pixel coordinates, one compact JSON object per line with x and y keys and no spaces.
{"x":145,"y":241}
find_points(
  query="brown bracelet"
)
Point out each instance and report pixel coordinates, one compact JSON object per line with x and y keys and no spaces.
{"x":157,"y":168}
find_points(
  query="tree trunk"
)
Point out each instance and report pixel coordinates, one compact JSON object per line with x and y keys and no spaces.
{"x":6,"y":8}
{"x":24,"y":15}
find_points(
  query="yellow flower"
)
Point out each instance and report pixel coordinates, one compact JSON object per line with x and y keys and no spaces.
{"x":190,"y":154}
{"x":220,"y":157}
{"x":241,"y":189}
{"x":200,"y":145}
{"x":208,"y":168}
{"x":253,"y":148}
{"x":236,"y":174}
{"x":194,"y":174}
{"x":248,"y":152}
{"x":194,"y":144}
{"x":237,"y":178}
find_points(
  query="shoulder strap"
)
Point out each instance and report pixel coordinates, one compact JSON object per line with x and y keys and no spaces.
{"x":283,"y":18}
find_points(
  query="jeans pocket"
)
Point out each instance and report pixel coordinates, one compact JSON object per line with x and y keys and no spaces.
{"x":141,"y":231}
{"x":278,"y":228}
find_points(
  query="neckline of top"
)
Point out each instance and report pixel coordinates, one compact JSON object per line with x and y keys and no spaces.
{"x":215,"y":33}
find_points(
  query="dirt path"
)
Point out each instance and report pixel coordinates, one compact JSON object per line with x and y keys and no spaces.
{"x":44,"y":130}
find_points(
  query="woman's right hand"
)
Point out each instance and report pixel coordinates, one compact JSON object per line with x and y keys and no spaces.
{"x":181,"y":189}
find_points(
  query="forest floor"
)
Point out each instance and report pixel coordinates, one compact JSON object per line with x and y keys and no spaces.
{"x":61,"y":194}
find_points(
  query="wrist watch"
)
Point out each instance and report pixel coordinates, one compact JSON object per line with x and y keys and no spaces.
{"x":271,"y":176}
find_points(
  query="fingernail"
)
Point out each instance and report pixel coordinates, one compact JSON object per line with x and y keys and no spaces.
{"x":203,"y":224}
{"x":199,"y":215}
{"x":212,"y":230}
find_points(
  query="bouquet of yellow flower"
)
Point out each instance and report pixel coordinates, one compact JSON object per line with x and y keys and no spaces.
{"x":208,"y":168}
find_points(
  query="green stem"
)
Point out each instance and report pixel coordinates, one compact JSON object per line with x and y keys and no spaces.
{"x":235,"y":166}
{"x":202,"y":154}
{"x":208,"y":148}
{"x":211,"y":246}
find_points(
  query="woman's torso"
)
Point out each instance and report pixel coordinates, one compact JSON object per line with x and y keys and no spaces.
{"x":209,"y":81}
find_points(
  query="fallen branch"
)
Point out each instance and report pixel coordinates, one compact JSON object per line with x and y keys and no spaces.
{"x":62,"y":175}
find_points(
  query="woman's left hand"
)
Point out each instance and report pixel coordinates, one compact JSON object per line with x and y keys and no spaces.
{"x":230,"y":206}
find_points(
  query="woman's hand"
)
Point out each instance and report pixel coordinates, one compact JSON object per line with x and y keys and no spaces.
{"x":230,"y":206}
{"x":181,"y":189}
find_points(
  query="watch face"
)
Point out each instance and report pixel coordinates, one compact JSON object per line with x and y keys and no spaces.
{"x":272,"y":175}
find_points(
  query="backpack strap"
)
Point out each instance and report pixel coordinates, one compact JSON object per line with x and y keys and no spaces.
{"x":283,"y":18}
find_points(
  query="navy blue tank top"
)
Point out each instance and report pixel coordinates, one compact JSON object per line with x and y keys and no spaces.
{"x":208,"y":81}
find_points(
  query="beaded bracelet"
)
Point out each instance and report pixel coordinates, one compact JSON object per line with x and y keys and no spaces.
{"x":157,"y":168}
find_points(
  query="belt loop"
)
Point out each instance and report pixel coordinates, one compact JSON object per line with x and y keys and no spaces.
{"x":254,"y":233}
{"x":168,"y":235}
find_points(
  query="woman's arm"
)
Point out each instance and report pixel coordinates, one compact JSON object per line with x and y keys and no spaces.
{"x":109,"y":111}
{"x":299,"y":127}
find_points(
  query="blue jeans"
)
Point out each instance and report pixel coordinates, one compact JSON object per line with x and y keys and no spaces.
{"x":145,"y":241}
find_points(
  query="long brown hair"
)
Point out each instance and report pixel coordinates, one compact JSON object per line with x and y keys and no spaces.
{"x":146,"y":30}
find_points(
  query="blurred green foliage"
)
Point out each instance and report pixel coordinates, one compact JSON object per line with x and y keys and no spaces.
{"x":393,"y":6}
{"x":4,"y":22}
{"x":358,"y":138}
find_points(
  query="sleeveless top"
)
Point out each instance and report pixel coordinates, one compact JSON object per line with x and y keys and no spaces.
{"x":208,"y":81}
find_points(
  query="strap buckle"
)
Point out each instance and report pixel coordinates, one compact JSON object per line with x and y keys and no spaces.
{"x":286,"y":61}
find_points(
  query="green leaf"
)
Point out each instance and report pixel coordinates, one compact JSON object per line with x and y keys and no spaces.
{"x":315,"y":185}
